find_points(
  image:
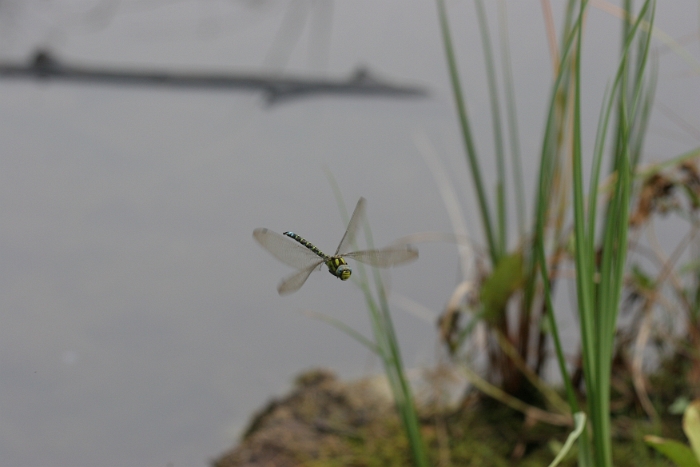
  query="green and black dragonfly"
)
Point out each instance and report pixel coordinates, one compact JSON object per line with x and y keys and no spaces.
{"x":297,"y":252}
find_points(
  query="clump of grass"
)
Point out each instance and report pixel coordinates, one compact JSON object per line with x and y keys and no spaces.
{"x":600,"y":235}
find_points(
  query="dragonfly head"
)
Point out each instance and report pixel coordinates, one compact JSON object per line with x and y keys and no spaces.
{"x":339,"y":268}
{"x":343,"y":272}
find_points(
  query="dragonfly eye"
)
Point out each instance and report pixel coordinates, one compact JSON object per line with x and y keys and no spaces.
{"x":343,"y":272}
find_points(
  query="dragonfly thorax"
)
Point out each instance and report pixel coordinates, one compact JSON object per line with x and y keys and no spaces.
{"x":339,"y":268}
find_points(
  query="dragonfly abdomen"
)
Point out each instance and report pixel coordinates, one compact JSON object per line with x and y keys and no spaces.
{"x":307,"y":244}
{"x":336,"y":265}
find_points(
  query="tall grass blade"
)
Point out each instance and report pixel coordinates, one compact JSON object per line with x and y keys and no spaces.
{"x":467,"y":138}
{"x":599,"y":284}
{"x":492,"y":83}
{"x":386,"y":345}
{"x":549,"y":167}
{"x":512,"y":115}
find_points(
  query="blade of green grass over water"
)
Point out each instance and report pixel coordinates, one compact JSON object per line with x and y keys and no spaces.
{"x":497,"y":125}
{"x":385,"y":343}
{"x":468,"y":140}
{"x":512,"y":116}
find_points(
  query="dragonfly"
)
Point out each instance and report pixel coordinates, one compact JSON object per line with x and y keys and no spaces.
{"x":297,"y":252}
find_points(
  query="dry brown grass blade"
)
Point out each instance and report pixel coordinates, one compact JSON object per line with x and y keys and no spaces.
{"x":514,"y":403}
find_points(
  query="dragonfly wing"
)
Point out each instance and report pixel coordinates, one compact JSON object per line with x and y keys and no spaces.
{"x":285,"y":249}
{"x":351,"y":232}
{"x":295,"y":281}
{"x":386,"y":257}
